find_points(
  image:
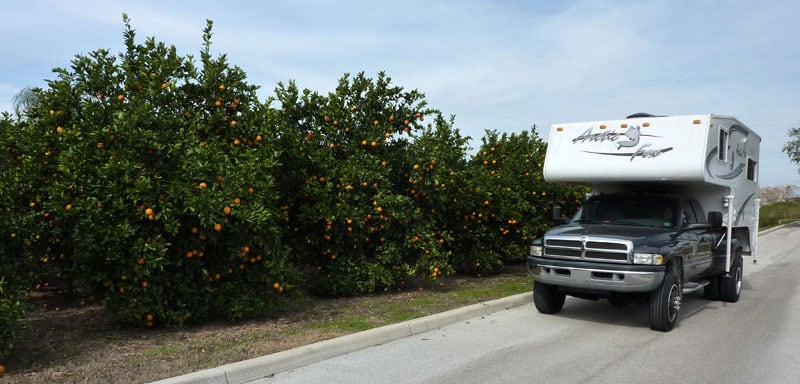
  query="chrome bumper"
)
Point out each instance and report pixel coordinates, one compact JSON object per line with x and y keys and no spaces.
{"x":596,"y":276}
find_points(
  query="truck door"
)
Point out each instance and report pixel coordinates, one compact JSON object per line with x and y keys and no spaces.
{"x":701,"y":258}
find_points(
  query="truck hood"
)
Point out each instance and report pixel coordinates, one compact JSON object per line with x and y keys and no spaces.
{"x":639,"y":236}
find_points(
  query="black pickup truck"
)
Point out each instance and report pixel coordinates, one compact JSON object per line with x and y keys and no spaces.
{"x":644,"y":247}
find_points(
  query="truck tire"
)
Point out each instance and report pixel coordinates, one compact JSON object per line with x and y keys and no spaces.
{"x":731,"y":284}
{"x":547,"y":298}
{"x":711,"y":291}
{"x":665,"y":303}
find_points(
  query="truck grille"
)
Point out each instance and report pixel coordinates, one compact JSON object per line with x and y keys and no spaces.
{"x":585,"y":248}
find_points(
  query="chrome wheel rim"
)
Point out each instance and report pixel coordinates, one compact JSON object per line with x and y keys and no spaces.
{"x":674,"y":302}
{"x":738,"y":280}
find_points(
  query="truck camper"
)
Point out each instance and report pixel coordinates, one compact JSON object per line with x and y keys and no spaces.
{"x":673,"y":208}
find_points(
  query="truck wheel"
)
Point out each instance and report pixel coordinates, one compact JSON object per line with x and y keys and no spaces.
{"x":731,"y":284}
{"x":548,"y":298}
{"x":665,"y":302}
{"x":711,"y":291}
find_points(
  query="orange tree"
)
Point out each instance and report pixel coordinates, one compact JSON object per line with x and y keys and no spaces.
{"x":351,"y":217}
{"x":165,"y":189}
{"x":11,"y":311}
{"x":15,"y":220}
{"x":436,"y":180}
{"x":509,"y":203}
{"x":161,"y":195}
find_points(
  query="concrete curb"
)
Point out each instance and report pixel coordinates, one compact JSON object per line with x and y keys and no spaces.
{"x":265,"y":366}
{"x":768,"y":230}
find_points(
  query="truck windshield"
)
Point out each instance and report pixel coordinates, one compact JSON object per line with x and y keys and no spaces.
{"x":643,"y":211}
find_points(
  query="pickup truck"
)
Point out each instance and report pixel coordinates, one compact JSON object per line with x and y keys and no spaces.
{"x":626,"y":247}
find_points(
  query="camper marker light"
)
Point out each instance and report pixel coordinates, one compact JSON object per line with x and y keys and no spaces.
{"x":696,"y":121}
{"x":602,"y":126}
{"x":645,"y":124}
{"x":559,"y":129}
{"x":536,"y":250}
{"x":648,"y":258}
{"x":623,"y":125}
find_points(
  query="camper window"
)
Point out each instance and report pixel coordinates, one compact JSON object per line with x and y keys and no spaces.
{"x":723,"y":144}
{"x":698,"y":211}
{"x":689,"y":215}
{"x":752,"y":169}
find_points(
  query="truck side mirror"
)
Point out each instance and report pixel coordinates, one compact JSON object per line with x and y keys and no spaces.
{"x":557,"y":216}
{"x":715,"y":219}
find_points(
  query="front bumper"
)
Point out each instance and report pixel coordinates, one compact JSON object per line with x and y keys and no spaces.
{"x":596,"y":276}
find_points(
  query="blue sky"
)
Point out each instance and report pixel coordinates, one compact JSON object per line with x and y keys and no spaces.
{"x":503,"y":65}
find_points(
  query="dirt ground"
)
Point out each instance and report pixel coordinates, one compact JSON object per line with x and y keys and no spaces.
{"x":67,"y":342}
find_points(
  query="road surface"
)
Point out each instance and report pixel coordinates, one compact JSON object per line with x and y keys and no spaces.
{"x":756,"y":340}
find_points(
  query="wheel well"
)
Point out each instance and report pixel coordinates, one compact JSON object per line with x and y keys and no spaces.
{"x":741,"y":236}
{"x":675,"y":265}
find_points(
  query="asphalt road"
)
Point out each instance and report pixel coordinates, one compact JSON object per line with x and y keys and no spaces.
{"x":756,"y":340}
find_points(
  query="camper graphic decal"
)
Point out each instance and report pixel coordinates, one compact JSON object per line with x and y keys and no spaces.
{"x":596,"y":137}
{"x":633,"y":134}
{"x":741,"y":210}
{"x":628,"y":139}
{"x":731,"y":170}
{"x":734,"y":173}
{"x":644,"y":152}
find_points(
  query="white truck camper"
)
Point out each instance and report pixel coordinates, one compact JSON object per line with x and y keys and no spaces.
{"x":673,"y":207}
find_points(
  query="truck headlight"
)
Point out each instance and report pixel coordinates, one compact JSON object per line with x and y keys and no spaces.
{"x":648,"y":258}
{"x":536,"y":250}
